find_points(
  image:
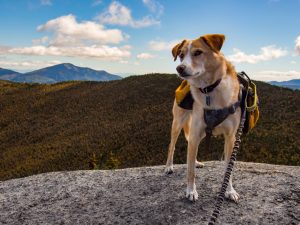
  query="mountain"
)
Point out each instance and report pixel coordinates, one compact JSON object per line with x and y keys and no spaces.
{"x":293,"y":84}
{"x":124,"y":123}
{"x":269,"y":195}
{"x":62,"y":72}
{"x":66,"y":72}
{"x":6,"y":74}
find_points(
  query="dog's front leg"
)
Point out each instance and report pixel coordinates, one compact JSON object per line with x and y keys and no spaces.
{"x":180,"y":117}
{"x":196,"y":134}
{"x":228,"y":148}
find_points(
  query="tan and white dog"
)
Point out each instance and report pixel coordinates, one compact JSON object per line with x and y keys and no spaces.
{"x":202,"y":64}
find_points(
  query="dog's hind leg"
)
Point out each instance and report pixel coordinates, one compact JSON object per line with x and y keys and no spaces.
{"x":180,"y":118}
{"x":228,"y":148}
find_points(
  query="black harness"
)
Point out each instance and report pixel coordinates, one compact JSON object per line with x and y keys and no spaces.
{"x":213,"y":117}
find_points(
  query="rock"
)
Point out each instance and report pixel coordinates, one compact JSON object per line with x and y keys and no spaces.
{"x":270,"y":194}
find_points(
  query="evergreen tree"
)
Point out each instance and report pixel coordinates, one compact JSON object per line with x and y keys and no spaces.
{"x":112,"y":162}
{"x":93,"y":162}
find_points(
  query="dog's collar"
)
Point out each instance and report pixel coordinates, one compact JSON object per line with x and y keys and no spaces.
{"x":210,"y":88}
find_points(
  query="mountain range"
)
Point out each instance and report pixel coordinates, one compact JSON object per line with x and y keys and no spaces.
{"x":293,"y":84}
{"x":58,"y":73}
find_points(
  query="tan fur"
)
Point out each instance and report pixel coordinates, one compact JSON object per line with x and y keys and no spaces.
{"x":200,"y":71}
{"x":176,"y":49}
{"x":214,"y":41}
{"x":230,"y":69}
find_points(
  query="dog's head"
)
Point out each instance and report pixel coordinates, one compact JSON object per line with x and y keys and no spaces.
{"x":199,"y":56}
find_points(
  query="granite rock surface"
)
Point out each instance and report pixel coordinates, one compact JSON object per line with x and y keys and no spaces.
{"x":270,"y":194}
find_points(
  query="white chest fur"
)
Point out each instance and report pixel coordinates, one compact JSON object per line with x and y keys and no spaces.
{"x":222,"y":96}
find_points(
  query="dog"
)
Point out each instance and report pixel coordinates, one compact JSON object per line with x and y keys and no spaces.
{"x":201,"y":65}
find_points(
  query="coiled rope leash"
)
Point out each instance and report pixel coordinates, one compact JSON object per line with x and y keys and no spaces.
{"x":229,"y":168}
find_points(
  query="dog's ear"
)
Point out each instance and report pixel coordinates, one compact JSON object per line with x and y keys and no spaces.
{"x":214,"y":41}
{"x":176,"y":49}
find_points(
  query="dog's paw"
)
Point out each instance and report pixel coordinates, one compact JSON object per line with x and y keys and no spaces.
{"x":191,"y":194}
{"x":169,"y":169}
{"x":199,"y":164}
{"x":232,"y":195}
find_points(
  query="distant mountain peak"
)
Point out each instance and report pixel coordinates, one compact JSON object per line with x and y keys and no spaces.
{"x":293,"y":84}
{"x":6,"y":74}
{"x":67,"y":65}
{"x":58,"y":73}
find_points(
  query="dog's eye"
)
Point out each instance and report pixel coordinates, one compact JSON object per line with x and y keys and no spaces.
{"x":181,"y":55}
{"x":197,"y":52}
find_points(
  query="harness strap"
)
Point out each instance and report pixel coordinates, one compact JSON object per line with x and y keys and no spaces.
{"x":213,"y":117}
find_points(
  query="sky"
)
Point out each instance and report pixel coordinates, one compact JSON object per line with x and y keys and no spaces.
{"x":129,"y":37}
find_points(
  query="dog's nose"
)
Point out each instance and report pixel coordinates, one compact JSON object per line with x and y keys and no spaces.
{"x":180,"y":68}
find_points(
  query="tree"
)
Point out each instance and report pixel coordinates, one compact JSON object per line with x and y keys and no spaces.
{"x":93,"y":162}
{"x":112,"y":162}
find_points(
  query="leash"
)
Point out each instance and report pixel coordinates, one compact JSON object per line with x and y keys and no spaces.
{"x":227,"y":175}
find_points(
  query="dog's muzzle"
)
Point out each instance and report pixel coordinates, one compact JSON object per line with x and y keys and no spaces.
{"x":181,"y":71}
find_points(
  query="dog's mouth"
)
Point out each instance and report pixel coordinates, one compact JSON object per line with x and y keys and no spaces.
{"x":186,"y":76}
{"x":198,"y":74}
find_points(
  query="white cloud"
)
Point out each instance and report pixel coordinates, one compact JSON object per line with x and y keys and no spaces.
{"x":145,"y":56}
{"x":266,"y":53}
{"x":119,"y":14}
{"x":293,"y":62}
{"x":97,"y":2}
{"x":162,"y":45}
{"x":276,"y":75}
{"x":74,"y":39}
{"x":116,"y":14}
{"x":46,"y":2}
{"x":154,"y":6}
{"x":94,"y":51}
{"x":297,"y":46}
{"x":27,"y":64}
{"x":67,"y":31}
{"x":42,"y":40}
{"x":4,"y":49}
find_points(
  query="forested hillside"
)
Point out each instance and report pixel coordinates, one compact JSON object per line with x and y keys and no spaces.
{"x":126,"y":123}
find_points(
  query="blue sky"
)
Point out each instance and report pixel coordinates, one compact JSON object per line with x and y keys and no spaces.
{"x":136,"y":36}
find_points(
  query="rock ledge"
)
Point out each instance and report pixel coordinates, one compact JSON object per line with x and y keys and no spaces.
{"x":270,"y":194}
